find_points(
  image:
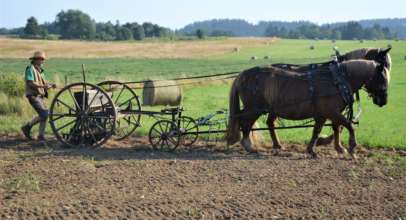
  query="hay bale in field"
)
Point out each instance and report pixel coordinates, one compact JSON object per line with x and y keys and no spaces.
{"x":166,"y":92}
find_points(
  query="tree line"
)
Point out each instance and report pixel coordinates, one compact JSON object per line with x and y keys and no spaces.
{"x":75,"y":24}
{"x":347,"y":31}
{"x":363,"y":29}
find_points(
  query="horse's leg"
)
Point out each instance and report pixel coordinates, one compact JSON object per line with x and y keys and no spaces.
{"x":246,"y":124}
{"x":271,"y":125}
{"x":340,"y":119}
{"x":337,"y":144}
{"x":319,"y":122}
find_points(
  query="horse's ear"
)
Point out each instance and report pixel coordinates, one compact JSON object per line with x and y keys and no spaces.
{"x":385,"y":51}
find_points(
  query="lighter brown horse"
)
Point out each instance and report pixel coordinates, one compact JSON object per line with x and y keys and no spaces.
{"x":285,"y":94}
{"x":379,"y":55}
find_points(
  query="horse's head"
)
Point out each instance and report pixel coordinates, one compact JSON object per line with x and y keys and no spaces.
{"x":381,"y":56}
{"x":377,"y":85}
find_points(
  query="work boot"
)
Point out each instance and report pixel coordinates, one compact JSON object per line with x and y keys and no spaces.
{"x":27,"y":131}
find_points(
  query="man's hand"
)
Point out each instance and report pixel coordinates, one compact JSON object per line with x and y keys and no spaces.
{"x":50,"y":85}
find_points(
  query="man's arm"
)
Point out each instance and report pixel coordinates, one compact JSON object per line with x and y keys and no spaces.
{"x":35,"y":85}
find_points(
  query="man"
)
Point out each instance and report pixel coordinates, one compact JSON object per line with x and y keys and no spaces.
{"x":36,"y":90}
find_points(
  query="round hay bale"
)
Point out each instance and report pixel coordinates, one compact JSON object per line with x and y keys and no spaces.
{"x":166,"y":92}
{"x":254,"y":57}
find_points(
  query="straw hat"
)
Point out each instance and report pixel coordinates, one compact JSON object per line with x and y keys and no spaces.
{"x":38,"y":54}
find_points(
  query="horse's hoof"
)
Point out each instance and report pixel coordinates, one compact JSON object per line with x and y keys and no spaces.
{"x":354,"y":156}
{"x":250,"y":150}
{"x":278,"y":147}
{"x":341,"y":151}
{"x":313,"y":155}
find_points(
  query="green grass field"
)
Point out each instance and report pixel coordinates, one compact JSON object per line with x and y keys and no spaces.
{"x":379,"y":127}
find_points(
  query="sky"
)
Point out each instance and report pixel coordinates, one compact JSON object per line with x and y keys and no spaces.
{"x":177,"y":13}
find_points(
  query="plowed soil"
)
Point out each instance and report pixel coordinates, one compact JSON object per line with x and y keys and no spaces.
{"x":128,"y":180}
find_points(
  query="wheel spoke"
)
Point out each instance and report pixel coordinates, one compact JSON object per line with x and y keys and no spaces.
{"x":60,"y":116}
{"x":67,"y":124}
{"x":74,"y":100}
{"x":91,"y":133}
{"x":91,"y":101}
{"x":97,"y":125}
{"x":166,"y":127}
{"x":119,"y":94}
{"x":162,"y":144}
{"x":63,"y":103}
{"x":84,"y":94}
{"x":128,"y":100}
{"x":173,"y":141}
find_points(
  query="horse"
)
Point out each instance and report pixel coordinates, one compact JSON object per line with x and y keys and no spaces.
{"x":377,"y":54}
{"x":286,"y":94}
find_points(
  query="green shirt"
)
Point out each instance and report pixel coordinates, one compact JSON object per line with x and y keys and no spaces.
{"x":29,"y":73}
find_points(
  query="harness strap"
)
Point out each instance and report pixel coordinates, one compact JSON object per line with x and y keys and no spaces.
{"x":310,"y":79}
{"x":344,"y":88}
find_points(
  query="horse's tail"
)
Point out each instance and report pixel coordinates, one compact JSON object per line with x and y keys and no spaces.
{"x":233,"y":130}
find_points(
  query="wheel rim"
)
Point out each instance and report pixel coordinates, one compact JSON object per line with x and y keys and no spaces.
{"x":164,"y":135}
{"x":189,"y":130}
{"x":79,"y":120}
{"x":125,"y":100}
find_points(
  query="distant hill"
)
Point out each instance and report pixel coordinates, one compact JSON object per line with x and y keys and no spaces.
{"x":239,"y":27}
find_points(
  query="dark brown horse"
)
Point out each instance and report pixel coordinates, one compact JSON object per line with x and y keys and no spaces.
{"x":379,"y":55}
{"x":286,"y":94}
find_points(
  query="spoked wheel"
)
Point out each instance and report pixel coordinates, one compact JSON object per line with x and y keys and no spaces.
{"x":126,"y":101}
{"x":164,"y":135}
{"x":82,"y":114}
{"x":188,"y":130}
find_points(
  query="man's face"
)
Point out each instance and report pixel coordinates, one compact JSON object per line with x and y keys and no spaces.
{"x":39,"y":61}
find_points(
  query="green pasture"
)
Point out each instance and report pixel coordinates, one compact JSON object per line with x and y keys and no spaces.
{"x":379,"y":127}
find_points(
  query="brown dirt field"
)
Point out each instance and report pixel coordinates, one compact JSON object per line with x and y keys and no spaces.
{"x":19,"y":48}
{"x":121,"y":181}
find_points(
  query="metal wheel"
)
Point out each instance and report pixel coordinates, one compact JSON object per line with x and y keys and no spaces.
{"x":126,"y":101}
{"x":188,"y":130}
{"x":164,"y":135}
{"x":82,"y":114}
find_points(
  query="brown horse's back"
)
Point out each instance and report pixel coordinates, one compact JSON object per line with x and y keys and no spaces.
{"x":284,"y":93}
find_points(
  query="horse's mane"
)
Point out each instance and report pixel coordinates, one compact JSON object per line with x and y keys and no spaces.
{"x":369,"y":54}
{"x":358,"y":54}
